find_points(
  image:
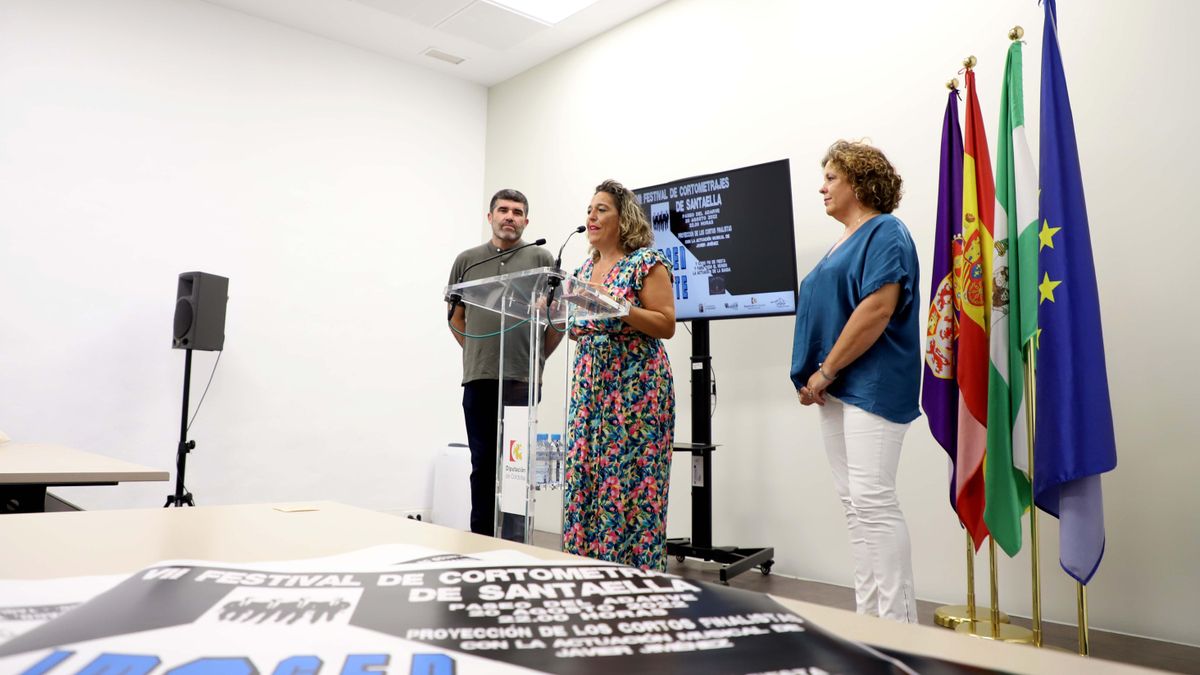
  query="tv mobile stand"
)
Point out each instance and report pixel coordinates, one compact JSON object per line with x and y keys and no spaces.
{"x":734,"y":560}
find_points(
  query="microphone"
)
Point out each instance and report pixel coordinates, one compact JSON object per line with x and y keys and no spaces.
{"x":558,"y":260}
{"x":553,"y":281}
{"x":456,"y":298}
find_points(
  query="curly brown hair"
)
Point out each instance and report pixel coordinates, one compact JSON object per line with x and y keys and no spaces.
{"x":875,"y":181}
{"x":635,"y":231}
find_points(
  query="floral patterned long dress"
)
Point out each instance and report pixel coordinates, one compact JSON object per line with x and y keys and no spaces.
{"x":622,"y":420}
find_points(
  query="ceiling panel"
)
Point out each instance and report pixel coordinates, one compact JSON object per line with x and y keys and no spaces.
{"x":423,"y":12}
{"x":491,"y":26}
{"x":495,"y":44}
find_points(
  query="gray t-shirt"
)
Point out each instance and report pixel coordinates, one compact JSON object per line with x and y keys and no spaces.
{"x":481,"y":356}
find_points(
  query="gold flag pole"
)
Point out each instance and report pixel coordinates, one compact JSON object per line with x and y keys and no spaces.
{"x":1034,"y":536}
{"x":995,"y":579}
{"x":994,"y":628}
{"x":972,"y":617}
{"x":1034,"y":542}
{"x":1031,"y":425}
{"x":1015,"y":34}
{"x":1081,"y":592}
{"x":952,"y":616}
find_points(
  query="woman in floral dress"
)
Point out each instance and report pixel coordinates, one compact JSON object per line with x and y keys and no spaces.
{"x":622,"y":412}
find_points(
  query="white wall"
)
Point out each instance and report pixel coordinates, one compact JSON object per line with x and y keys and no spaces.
{"x":144,"y":138}
{"x":698,"y":86}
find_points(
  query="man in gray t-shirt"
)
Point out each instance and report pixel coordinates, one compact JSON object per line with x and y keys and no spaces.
{"x":508,"y":215}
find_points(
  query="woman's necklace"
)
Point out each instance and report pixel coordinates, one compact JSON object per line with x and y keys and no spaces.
{"x":854,"y":228}
{"x":865,"y":217}
{"x":602,"y":268}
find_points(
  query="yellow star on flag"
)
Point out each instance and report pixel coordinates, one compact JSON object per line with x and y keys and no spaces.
{"x":1046,"y":235}
{"x":1046,"y":288}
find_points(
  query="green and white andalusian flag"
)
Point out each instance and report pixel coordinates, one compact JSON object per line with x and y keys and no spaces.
{"x":1014,"y":316}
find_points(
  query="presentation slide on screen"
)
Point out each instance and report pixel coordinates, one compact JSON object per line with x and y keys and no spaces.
{"x":730,"y":241}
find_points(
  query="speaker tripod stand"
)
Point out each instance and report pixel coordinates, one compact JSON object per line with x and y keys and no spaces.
{"x":181,"y":496}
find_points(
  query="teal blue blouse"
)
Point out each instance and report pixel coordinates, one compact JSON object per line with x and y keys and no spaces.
{"x":886,"y":379}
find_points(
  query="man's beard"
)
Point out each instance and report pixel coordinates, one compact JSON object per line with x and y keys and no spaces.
{"x":507,"y":235}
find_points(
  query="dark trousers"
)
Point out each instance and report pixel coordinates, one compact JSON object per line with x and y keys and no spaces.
{"x":480,"y":408}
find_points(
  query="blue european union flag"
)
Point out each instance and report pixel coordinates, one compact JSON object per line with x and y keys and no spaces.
{"x":1075,"y":441}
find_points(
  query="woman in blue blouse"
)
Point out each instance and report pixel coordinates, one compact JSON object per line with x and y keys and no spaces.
{"x":857,"y":355}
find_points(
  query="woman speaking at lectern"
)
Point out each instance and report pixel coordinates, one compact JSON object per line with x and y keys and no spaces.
{"x":622,"y":408}
{"x":857,"y":355}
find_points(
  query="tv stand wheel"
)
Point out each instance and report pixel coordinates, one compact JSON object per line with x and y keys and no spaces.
{"x":765,"y":568}
{"x":680,"y":558}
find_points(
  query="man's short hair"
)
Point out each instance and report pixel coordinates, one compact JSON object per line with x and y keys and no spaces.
{"x":510,"y":195}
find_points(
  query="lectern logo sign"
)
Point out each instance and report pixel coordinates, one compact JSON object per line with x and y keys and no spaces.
{"x":516,"y":452}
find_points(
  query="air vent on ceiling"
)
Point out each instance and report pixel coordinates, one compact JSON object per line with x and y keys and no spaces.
{"x":443,"y":56}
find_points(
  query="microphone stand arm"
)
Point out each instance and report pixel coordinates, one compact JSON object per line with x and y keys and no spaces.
{"x":456,"y":298}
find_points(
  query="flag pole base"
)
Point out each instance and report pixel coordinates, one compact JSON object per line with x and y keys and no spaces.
{"x":950,"y":616}
{"x":1004,"y":632}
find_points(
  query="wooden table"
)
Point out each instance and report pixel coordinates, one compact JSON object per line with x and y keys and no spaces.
{"x":110,"y":542}
{"x":27,"y":469}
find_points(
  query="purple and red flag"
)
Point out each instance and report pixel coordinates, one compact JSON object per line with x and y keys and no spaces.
{"x":939,"y":392}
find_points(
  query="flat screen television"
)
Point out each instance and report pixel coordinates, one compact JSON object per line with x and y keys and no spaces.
{"x":730,"y":240}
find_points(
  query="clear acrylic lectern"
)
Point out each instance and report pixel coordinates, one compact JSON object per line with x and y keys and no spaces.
{"x":533,"y":300}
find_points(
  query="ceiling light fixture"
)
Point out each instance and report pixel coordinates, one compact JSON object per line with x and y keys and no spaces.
{"x":546,"y":11}
{"x":440,"y":55}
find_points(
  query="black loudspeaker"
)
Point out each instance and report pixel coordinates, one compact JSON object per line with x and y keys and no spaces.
{"x":200,"y":312}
